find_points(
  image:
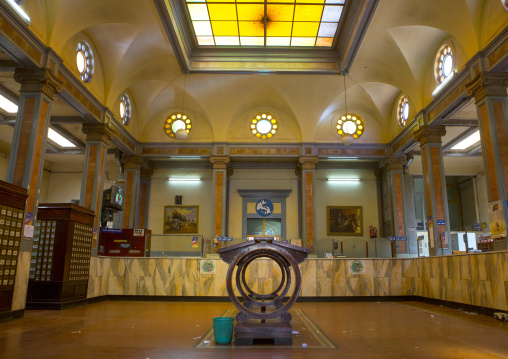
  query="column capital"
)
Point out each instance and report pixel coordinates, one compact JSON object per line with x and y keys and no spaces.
{"x":132,"y":162}
{"x":146,"y":172}
{"x":395,"y":163}
{"x":219,"y":162}
{"x":38,"y":80}
{"x":488,"y":84}
{"x":379,"y":174}
{"x":308,"y":162}
{"x":97,"y":132}
{"x":428,"y":134}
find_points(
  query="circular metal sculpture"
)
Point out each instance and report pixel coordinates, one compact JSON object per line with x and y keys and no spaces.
{"x":263,"y":316}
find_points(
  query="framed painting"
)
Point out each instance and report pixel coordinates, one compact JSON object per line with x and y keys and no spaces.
{"x":181,"y":219}
{"x":344,"y":221}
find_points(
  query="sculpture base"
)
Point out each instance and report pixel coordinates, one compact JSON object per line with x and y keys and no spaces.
{"x":275,"y":329}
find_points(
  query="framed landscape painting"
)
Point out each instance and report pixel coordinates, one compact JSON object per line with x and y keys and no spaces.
{"x":344,"y":221}
{"x":181,"y":219}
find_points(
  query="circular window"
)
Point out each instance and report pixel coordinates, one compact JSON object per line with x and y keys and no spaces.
{"x":125,"y":109}
{"x":177,"y":125}
{"x":444,"y":64}
{"x":264,"y":125}
{"x":403,"y":111}
{"x":84,"y":61}
{"x":350,"y":125}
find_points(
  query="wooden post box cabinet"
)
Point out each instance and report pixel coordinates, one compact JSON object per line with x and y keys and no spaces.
{"x":12,"y":208}
{"x":60,"y":261}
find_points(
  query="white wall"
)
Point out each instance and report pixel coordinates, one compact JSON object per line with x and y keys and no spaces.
{"x":273,"y":179}
{"x":163,"y":192}
{"x":363,"y":193}
{"x":4,"y":164}
{"x":63,"y":187}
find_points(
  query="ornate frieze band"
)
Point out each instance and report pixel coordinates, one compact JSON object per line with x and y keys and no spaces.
{"x":488,"y":84}
{"x":38,"y":80}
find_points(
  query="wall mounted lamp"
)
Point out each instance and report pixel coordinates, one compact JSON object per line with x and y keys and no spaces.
{"x":19,"y":11}
{"x":184,"y":179}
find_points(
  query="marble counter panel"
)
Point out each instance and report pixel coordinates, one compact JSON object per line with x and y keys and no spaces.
{"x":479,"y":279}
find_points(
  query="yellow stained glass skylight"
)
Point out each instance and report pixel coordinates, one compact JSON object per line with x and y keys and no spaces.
{"x":290,"y":23}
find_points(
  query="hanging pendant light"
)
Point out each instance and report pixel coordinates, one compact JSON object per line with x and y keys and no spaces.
{"x":182,"y":134}
{"x":349,"y":126}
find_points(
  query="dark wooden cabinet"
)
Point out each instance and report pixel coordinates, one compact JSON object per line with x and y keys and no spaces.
{"x":12,"y":209}
{"x":60,"y":261}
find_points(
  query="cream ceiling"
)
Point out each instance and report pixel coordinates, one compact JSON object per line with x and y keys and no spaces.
{"x":134,"y":55}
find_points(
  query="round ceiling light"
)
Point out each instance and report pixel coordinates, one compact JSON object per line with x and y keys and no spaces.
{"x":84,"y":61}
{"x":125,"y":109}
{"x":403,"y":111}
{"x":177,"y":125}
{"x":264,"y":125}
{"x":444,"y":64}
{"x":350,"y":127}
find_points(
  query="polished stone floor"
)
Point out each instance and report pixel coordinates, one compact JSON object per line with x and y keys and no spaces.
{"x":156,"y":330}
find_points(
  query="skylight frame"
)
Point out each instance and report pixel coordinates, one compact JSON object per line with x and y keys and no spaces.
{"x":209,"y":22}
{"x":466,"y":143}
{"x":59,"y":139}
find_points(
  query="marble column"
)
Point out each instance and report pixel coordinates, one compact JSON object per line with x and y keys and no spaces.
{"x":394,"y":167}
{"x":132,"y":171}
{"x":26,"y":163}
{"x":436,"y":201}
{"x":490,"y":93}
{"x":97,"y":138}
{"x":144,"y":197}
{"x":220,"y":178}
{"x":307,"y":164}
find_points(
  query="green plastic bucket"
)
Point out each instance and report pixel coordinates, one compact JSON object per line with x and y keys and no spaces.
{"x":223,"y":329}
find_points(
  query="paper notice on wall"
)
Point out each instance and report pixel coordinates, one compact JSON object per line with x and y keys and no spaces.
{"x":432,"y":241}
{"x":29,"y":231}
{"x":496,"y":219}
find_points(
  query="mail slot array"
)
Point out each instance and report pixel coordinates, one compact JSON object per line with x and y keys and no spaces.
{"x":81,"y":248}
{"x":42,"y":250}
{"x":11,"y":222}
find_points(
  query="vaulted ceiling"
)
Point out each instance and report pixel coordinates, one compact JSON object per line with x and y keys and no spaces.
{"x":137,"y":53}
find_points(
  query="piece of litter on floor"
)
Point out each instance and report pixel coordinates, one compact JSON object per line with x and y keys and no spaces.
{"x":196,"y":338}
{"x":304,"y":345}
{"x":371,"y":329}
{"x":416,"y":347}
{"x":294,"y":332}
{"x":77,"y":332}
{"x":206,"y":341}
{"x":345,"y":332}
{"x":197,"y":325}
{"x":432,"y":315}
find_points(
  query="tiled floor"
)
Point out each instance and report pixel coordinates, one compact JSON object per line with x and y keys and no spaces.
{"x":171,"y":330}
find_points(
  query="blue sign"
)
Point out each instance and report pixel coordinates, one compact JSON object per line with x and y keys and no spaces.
{"x":224,"y":239}
{"x":111,"y":230}
{"x":401,"y":238}
{"x":264,"y":207}
{"x":440,"y":222}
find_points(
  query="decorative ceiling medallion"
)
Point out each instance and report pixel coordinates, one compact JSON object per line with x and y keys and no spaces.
{"x":264,"y":125}
{"x":177,"y":125}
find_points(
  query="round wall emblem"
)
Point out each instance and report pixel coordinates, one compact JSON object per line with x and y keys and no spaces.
{"x":357,"y":267}
{"x":208,"y":267}
{"x":264,"y":207}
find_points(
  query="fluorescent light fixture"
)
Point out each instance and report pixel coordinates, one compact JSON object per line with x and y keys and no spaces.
{"x":443,"y":84}
{"x":342,"y":158}
{"x":184,"y":179}
{"x":59,"y":139}
{"x":19,"y":11}
{"x":468,"y":141}
{"x":185,"y":157}
{"x":8,"y":105}
{"x":344,"y":179}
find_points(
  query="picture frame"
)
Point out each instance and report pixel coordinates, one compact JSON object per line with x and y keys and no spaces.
{"x":181,"y":219}
{"x":344,"y":220}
